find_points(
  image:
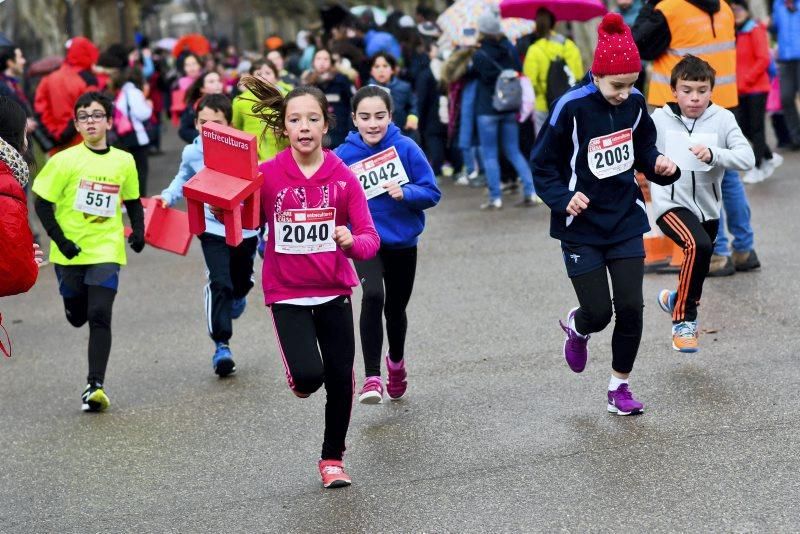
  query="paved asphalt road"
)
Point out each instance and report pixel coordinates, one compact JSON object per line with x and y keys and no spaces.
{"x":496,"y":434}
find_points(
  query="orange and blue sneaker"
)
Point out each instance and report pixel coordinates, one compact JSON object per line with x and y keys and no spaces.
{"x":666,"y":300}
{"x":684,"y":336}
{"x":333,"y":475}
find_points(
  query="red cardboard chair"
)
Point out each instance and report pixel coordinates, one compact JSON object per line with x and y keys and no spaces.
{"x":165,"y":228}
{"x":230,"y":181}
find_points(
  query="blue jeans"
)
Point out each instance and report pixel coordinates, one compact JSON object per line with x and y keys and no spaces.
{"x":737,"y":213}
{"x":471,"y":158}
{"x":494,"y":130}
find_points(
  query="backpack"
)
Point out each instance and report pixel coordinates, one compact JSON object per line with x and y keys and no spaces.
{"x":559,"y":77}
{"x":507,"y":94}
{"x":122,"y":134}
{"x":558,"y":80}
{"x":507,"y":91}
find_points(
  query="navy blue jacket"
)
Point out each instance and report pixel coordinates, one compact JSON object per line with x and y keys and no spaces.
{"x":404,"y":101}
{"x":338,"y":91}
{"x":399,"y":224}
{"x":559,"y":162}
{"x":487,"y":63}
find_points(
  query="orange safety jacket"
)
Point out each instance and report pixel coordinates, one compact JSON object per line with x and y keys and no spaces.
{"x":709,"y":37}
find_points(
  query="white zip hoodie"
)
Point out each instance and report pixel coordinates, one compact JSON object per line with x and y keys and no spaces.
{"x":699,"y":191}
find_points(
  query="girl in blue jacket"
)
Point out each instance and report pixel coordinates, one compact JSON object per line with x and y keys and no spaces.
{"x":399,"y":185}
{"x":583,"y":167}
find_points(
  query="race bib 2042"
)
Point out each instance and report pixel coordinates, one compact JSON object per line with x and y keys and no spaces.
{"x":611,"y":154}
{"x":305,"y":231}
{"x":378,"y":170}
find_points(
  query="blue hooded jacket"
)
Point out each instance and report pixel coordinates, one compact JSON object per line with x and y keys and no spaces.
{"x":560,"y":165}
{"x":786,"y":24}
{"x":399,"y":223}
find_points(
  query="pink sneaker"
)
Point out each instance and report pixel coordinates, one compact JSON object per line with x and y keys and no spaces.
{"x":396,"y":381}
{"x":372,"y":392}
{"x":333,"y":475}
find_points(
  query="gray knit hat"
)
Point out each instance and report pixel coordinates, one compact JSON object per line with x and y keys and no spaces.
{"x":489,"y":23}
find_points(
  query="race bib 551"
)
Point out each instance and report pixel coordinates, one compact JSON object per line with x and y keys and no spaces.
{"x":97,"y":198}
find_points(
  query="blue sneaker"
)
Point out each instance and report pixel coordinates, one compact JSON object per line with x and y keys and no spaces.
{"x":223,"y":361}
{"x":262,"y":244}
{"x":238,"y":306}
{"x":666,"y":300}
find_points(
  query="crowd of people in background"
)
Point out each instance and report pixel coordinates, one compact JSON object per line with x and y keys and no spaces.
{"x":486,"y":113}
{"x":439,"y":102}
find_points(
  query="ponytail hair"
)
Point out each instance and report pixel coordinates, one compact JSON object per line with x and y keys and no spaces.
{"x":269,"y":105}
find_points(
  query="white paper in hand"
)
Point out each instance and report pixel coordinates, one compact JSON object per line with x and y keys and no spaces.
{"x":677,"y":149}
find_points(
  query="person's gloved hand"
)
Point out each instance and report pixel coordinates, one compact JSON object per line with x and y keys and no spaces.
{"x":68,"y":248}
{"x":136,"y":241}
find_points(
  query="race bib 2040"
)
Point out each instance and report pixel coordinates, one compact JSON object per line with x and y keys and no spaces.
{"x":305,"y":231}
{"x":97,"y":198}
{"x":380,"y":169}
{"x":611,"y":154}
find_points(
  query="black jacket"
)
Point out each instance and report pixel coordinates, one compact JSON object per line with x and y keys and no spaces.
{"x":579,"y":121}
{"x":651,"y":30}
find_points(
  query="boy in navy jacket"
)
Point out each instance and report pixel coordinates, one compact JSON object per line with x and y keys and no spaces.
{"x":583,"y":168}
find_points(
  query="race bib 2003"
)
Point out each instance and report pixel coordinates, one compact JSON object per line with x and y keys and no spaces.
{"x":611,"y":154}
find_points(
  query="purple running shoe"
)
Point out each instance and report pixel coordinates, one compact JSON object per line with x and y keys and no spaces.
{"x":621,"y":402}
{"x":396,"y":381}
{"x":576,"y":351}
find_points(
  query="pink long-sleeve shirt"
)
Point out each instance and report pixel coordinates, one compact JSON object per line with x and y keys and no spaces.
{"x":290,"y":276}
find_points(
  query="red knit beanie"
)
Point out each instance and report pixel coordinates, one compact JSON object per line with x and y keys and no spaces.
{"x":616,"y":53}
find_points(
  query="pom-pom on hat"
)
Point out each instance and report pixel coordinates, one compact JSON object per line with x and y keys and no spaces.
{"x":616,"y":52}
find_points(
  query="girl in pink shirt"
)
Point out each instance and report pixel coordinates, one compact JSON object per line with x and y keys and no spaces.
{"x":317,"y":220}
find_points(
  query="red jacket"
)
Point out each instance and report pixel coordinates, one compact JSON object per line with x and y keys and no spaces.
{"x":57,"y":92}
{"x":752,"y":59}
{"x":18,"y":270}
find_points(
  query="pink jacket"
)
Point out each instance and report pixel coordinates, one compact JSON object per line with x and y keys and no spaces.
{"x":288,"y":276}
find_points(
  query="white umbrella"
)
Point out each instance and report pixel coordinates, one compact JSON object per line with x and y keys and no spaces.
{"x":464,"y":15}
{"x":167,"y":43}
{"x":378,"y":13}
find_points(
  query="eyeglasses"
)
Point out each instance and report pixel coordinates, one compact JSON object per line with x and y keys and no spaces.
{"x":97,"y":116}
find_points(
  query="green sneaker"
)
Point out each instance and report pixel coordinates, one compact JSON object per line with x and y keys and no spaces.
{"x":94,"y":398}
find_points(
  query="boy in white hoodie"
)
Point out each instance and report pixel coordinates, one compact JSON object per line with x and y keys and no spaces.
{"x":703,"y":139}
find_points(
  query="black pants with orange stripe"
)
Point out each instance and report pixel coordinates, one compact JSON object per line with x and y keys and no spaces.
{"x":697,"y":241}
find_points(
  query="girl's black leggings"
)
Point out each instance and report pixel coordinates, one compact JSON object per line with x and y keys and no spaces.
{"x":317,"y":345}
{"x":594,"y":314}
{"x":387,"y":281}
